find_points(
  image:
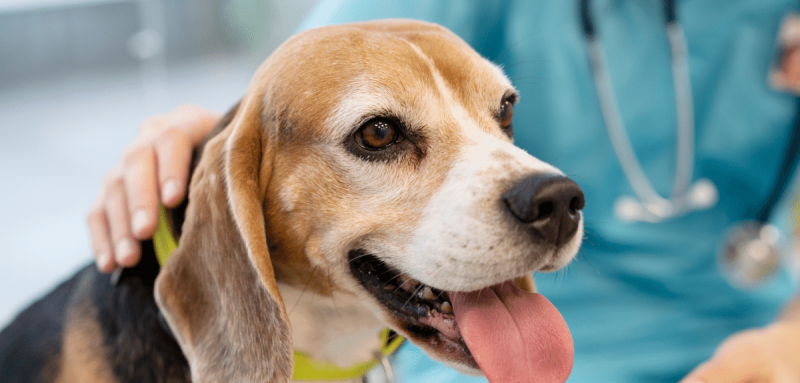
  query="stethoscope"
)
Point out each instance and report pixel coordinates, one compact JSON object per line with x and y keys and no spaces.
{"x":750,"y":250}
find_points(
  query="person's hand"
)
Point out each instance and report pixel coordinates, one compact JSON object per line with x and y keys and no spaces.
{"x":767,"y":355}
{"x":155,"y":165}
{"x":787,"y":76}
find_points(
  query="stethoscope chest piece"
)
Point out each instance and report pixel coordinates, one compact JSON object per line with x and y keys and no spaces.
{"x":749,"y":253}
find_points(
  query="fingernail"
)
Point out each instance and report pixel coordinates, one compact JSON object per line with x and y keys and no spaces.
{"x":102,"y":261}
{"x":170,"y":190}
{"x":140,"y":220}
{"x":124,"y":250}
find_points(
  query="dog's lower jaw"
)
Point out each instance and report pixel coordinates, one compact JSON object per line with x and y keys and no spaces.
{"x":421,"y":313}
{"x":337,"y":328}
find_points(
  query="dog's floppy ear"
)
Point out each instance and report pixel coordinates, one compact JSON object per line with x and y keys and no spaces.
{"x":218,"y":291}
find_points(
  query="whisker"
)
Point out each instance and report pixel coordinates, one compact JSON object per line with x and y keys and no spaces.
{"x":523,"y":62}
{"x":310,"y":277}
{"x":518,"y":80}
{"x":388,"y":271}
{"x":586,"y":259}
{"x":554,"y":162}
{"x":413,"y":295}
{"x":396,"y":276}
{"x":330,"y":286}
{"x":358,"y":257}
{"x":508,"y":49}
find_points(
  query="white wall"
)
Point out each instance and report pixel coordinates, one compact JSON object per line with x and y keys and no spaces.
{"x":59,"y":135}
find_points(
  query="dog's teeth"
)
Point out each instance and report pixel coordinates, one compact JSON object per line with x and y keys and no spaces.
{"x":407,"y":281}
{"x":428,"y":294}
{"x":447,"y":308}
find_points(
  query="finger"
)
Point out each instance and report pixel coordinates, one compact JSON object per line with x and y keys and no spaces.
{"x":126,"y":249}
{"x":141,"y":190}
{"x":173,"y":155}
{"x":188,"y":127}
{"x":737,"y":365}
{"x":101,"y":239}
{"x":151,"y":126}
{"x":195,"y":121}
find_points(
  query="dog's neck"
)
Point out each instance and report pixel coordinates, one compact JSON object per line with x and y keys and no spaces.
{"x":336,"y":329}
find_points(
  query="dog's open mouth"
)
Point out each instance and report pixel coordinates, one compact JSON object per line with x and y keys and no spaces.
{"x":510,"y":334}
{"x":421,"y":310}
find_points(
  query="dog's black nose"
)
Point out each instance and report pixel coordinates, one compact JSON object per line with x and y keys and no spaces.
{"x":549,"y":204}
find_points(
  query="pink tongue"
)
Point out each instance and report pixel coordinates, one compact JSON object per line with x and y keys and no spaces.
{"x":514,"y":335}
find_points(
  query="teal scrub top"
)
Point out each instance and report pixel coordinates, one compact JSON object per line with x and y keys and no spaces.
{"x":645,"y":302}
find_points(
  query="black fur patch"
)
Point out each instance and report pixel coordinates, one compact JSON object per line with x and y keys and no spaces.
{"x":138,"y":347}
{"x":30,"y":346}
{"x":135,"y":342}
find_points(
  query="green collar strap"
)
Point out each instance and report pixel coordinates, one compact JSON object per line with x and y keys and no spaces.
{"x":164,"y":241}
{"x":305,"y":368}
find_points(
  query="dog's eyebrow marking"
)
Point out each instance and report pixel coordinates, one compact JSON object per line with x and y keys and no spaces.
{"x":364,"y":99}
{"x":359,"y":101}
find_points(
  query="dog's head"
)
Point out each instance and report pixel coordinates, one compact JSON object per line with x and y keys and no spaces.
{"x":374,"y":159}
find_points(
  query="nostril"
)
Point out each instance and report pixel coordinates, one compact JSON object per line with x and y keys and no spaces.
{"x":546,"y":208}
{"x":576,"y":203}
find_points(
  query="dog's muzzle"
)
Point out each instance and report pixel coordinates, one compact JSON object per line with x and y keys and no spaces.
{"x":549,"y":204}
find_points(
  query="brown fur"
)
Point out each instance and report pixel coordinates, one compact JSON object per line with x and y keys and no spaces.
{"x":278,"y":200}
{"x":83,"y":356}
{"x":273,"y":201}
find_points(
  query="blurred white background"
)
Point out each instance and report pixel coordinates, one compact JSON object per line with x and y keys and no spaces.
{"x":77,"y":77}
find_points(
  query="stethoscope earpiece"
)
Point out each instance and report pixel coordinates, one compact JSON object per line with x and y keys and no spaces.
{"x":701,"y":195}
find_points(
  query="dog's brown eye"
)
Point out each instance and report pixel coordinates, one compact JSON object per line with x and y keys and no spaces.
{"x":377,"y":134}
{"x":506,"y":113}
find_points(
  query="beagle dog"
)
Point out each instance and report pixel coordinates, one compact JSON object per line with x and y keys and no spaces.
{"x":366,"y":180}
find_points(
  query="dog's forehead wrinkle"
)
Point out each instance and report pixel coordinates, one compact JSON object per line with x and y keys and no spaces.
{"x":474,"y":79}
{"x":468,"y":119}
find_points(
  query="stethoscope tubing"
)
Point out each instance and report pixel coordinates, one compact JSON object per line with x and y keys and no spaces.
{"x":749,"y":252}
{"x":685,"y":113}
{"x":659,"y":207}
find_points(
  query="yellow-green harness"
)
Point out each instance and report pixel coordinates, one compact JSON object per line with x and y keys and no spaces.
{"x":305,"y":368}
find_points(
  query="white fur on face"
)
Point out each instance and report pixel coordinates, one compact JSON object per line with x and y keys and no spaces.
{"x":467,"y":239}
